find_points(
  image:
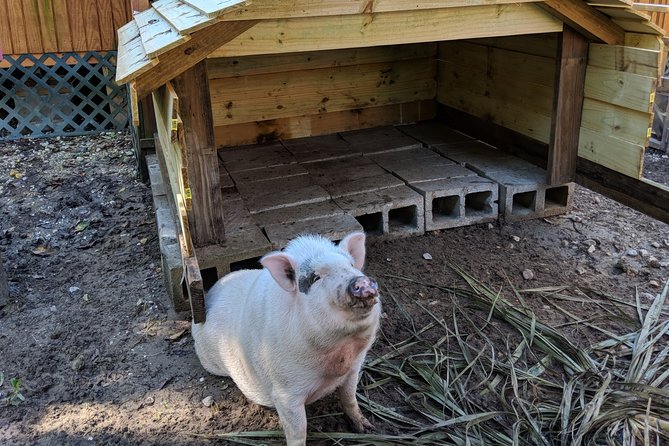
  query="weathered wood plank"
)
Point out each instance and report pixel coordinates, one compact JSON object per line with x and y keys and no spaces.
{"x":614,"y":153}
{"x":158,"y":36}
{"x":567,"y":107}
{"x":131,"y":59}
{"x":586,"y":20}
{"x":77,"y":26}
{"x":623,"y":58}
{"x":620,"y":88}
{"x":544,"y":45}
{"x":645,"y":41}
{"x":106,"y":24}
{"x":354,"y":31}
{"x":277,"y":95}
{"x":281,"y":9}
{"x":120,"y":15}
{"x":213,"y":8}
{"x":32,"y":27}
{"x":5,"y":30}
{"x":182,"y":16}
{"x":192,"y":87}
{"x":47,"y":27}
{"x":181,"y":58}
{"x":324,"y":123}
{"x":91,"y":26}
{"x":618,"y":122}
{"x":18,"y":31}
{"x":277,"y":63}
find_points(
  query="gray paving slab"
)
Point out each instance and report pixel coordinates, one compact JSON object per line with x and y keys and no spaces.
{"x":268,"y":173}
{"x":287,"y":197}
{"x":298,"y":213}
{"x":236,"y":216}
{"x":255,"y":157}
{"x":342,"y":170}
{"x":257,"y":188}
{"x":239,"y":246}
{"x":379,"y":140}
{"x":320,"y":148}
{"x":333,"y":227}
{"x":433,"y":132}
{"x":361,"y":185}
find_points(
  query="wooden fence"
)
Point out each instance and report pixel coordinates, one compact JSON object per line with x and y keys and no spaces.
{"x":59,"y":26}
{"x":659,"y":18}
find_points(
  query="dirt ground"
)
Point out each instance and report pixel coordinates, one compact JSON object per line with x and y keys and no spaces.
{"x":102,"y":359}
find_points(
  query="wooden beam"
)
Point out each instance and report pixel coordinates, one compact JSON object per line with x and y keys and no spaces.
{"x":177,"y":60}
{"x":192,"y":88}
{"x":586,"y":20}
{"x":570,"y":66}
{"x":389,"y":28}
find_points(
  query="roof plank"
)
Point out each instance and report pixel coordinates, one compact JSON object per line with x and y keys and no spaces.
{"x":586,"y":19}
{"x":132,"y":59}
{"x":213,"y":8}
{"x":182,"y":16}
{"x":158,"y":36}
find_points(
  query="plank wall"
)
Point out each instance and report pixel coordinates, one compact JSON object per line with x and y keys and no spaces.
{"x":509,"y":81}
{"x":261,"y":98}
{"x":57,"y":26}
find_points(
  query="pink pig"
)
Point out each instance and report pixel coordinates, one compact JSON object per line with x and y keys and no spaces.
{"x":295,"y":331}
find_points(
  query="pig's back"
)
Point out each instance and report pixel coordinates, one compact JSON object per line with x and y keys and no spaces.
{"x":216,"y":340}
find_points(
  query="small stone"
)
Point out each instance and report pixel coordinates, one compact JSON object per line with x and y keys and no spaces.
{"x":53,"y":308}
{"x":490,"y":226}
{"x":666,"y":242}
{"x":644,"y":252}
{"x":201,"y":379}
{"x":427,"y":256}
{"x":528,"y":274}
{"x":596,"y":200}
{"x":511,"y":246}
{"x":632,"y":252}
{"x":515,"y":238}
{"x":646,"y":296}
{"x":654,"y":283}
{"x":655,"y":245}
{"x":149,"y":401}
{"x":388,"y":259}
{"x":78,"y":363}
{"x":208,"y":401}
{"x":590,"y":242}
{"x":591,"y":249}
{"x":74,"y":291}
{"x":654,"y":262}
{"x":580,"y":270}
{"x":564,"y":243}
{"x":79,"y":159}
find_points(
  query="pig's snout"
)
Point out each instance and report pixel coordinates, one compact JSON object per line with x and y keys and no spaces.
{"x":363,"y":288}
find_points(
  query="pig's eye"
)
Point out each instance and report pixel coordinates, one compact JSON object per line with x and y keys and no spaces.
{"x":315,"y":278}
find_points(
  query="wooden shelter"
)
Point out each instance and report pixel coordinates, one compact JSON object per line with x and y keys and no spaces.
{"x":568,"y":84}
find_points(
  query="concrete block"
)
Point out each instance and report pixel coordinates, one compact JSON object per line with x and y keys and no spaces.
{"x":285,"y":197}
{"x":167,"y":228}
{"x":361,"y":185}
{"x":433,"y":132}
{"x":334,"y":227}
{"x":320,"y":148}
{"x":396,"y":160}
{"x":257,"y":188}
{"x":155,"y":176}
{"x":268,"y":173}
{"x":236,"y":217}
{"x":255,"y":157}
{"x":297,"y":213}
{"x":392,"y":212}
{"x":378,"y":140}
{"x":238,"y":247}
{"x":342,"y":170}
{"x":457,"y":202}
{"x":226,"y":181}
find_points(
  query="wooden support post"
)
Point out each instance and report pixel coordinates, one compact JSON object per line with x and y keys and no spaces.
{"x":572,"y":57}
{"x":192,"y":88}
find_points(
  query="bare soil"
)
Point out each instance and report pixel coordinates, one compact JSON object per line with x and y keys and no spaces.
{"x":102,"y":358}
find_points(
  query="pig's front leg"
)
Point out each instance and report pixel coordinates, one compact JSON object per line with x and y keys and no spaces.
{"x":349,"y":403}
{"x":293,"y":418}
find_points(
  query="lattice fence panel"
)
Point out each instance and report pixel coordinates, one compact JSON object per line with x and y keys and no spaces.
{"x":69,"y":94}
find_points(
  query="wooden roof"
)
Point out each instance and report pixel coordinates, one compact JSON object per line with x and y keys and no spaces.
{"x":172,"y":35}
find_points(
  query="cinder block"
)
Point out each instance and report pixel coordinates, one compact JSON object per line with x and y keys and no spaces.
{"x":259,"y":156}
{"x":167,"y":228}
{"x":342,"y":170}
{"x":432,"y":133}
{"x":432,"y":171}
{"x":297,"y":213}
{"x":396,"y":160}
{"x":155,"y":176}
{"x":366,"y":184}
{"x":319,"y":148}
{"x":268,"y":173}
{"x":236,"y":217}
{"x":392,"y":212}
{"x":459,"y":201}
{"x":240,"y":246}
{"x":334,"y":227}
{"x":257,"y":188}
{"x":286,"y":197}
{"x":378,"y":140}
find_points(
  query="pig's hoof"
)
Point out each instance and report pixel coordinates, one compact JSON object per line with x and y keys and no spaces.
{"x":362,"y":425}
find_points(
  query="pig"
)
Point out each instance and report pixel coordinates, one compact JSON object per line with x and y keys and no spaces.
{"x":295,"y":331}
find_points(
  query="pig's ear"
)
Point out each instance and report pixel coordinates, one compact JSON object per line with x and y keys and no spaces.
{"x":283,"y":269}
{"x":354,"y":244}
